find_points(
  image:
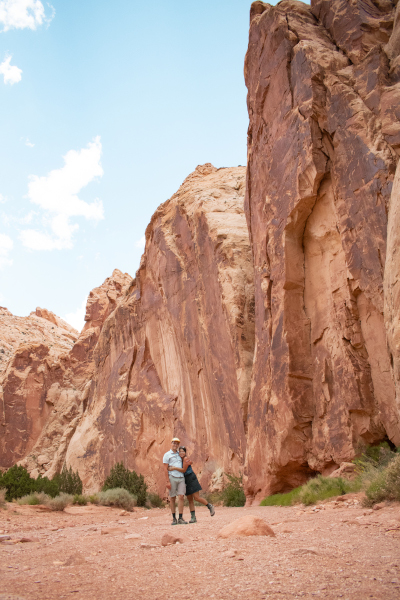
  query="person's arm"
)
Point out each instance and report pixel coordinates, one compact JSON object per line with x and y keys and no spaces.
{"x":177,"y":469}
{"x":186,"y":463}
{"x":166,"y":475}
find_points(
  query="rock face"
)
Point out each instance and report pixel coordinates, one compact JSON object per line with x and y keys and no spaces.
{"x":45,"y":381}
{"x":323,"y":144}
{"x":30,"y":348}
{"x":175,"y":357}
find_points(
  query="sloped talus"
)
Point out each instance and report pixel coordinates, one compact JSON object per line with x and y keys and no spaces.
{"x":175,"y":357}
{"x":323,"y":139}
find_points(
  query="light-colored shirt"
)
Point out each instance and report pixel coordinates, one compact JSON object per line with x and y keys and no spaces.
{"x":173,"y":460}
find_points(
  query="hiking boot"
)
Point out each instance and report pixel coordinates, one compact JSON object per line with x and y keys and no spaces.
{"x":211,"y":509}
{"x":174,"y":522}
{"x":182,"y":521}
{"x":193,"y":519}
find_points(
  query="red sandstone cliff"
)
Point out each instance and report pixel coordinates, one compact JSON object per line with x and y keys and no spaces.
{"x":323,"y":144}
{"x":300,"y":354}
{"x":45,"y":378}
{"x":176,"y":355}
{"x":30,"y":348}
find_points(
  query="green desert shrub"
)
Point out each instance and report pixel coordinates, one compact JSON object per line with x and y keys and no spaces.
{"x":287,"y":499}
{"x":121,"y":477}
{"x":322,"y":488}
{"x":60,"y":502}
{"x":68,"y":481}
{"x":17,"y":482}
{"x":48,"y":486}
{"x":315,"y":490}
{"x":384,"y":482}
{"x":80,"y":499}
{"x":3,"y":493}
{"x":117,"y":497}
{"x":34,"y":499}
{"x":156,"y":501}
{"x":233,"y":494}
{"x":94,"y":499}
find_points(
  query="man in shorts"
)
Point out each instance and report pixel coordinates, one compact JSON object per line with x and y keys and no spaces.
{"x":175,"y":481}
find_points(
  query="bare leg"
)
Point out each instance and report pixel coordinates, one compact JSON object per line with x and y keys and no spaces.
{"x":172,"y":504}
{"x":191,"y":502}
{"x":180,"y":504}
{"x":196,"y":497}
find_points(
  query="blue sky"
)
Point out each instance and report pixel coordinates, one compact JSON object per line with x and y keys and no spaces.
{"x":106,"y":108}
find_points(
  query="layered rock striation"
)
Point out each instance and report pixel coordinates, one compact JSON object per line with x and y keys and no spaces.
{"x":45,"y":379}
{"x":175,"y":357}
{"x":323,"y":145}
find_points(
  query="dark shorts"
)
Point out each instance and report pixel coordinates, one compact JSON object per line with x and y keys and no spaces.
{"x":192,"y":484}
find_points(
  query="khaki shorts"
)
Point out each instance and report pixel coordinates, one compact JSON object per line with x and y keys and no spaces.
{"x":178,"y":486}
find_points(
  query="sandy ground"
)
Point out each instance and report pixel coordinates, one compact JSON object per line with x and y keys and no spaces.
{"x":338,"y":550}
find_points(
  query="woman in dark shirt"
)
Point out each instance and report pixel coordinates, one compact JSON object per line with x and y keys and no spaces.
{"x":193,"y":486}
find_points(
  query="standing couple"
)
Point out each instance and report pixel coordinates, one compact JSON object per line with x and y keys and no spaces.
{"x":182,"y":480}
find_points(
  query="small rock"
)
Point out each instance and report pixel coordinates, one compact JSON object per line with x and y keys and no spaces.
{"x":239,"y":557}
{"x":26,"y":540}
{"x":246,"y":526}
{"x":75,"y":559}
{"x":306,"y":551}
{"x":168,"y":539}
{"x":379,"y":506}
{"x":123,"y":513}
{"x":230,"y":553}
{"x":287,"y":531}
{"x":3,"y":538}
{"x":148,"y":546}
{"x":133,"y":536}
{"x":113,"y":530}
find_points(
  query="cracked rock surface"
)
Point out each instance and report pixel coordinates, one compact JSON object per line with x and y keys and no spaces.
{"x":323,"y":144}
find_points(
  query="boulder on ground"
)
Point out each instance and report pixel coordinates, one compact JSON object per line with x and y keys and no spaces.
{"x":168,"y":539}
{"x":245,"y":526}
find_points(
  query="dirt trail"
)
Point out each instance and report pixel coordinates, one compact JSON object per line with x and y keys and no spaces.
{"x":337,"y":551}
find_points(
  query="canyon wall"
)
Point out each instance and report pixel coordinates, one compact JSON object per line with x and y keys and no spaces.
{"x":45,"y":378}
{"x":263,"y":325}
{"x":168,"y":353}
{"x":323,"y":144}
{"x":175,"y":357}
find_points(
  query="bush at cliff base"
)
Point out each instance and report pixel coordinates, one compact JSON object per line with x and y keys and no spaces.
{"x":156,"y":501}
{"x":117,"y":497}
{"x":121,"y":477}
{"x":233,"y":493}
{"x":18,"y":483}
{"x":68,"y":481}
{"x":384,"y":484}
{"x":378,"y":475}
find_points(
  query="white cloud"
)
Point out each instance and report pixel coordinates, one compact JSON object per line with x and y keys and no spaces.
{"x":23,"y":14}
{"x":11,"y":74}
{"x":29,"y":144}
{"x":6,"y":245}
{"x":141,"y":243}
{"x":3,"y":199}
{"x":77,"y":318}
{"x":57,"y":196}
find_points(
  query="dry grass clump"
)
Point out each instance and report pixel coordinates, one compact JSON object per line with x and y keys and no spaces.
{"x":34,"y":499}
{"x":60,"y":502}
{"x":383,"y":482}
{"x":117,"y":497}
